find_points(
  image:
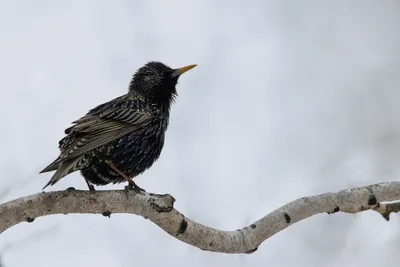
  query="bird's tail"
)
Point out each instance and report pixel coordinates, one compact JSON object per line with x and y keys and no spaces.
{"x":53,"y":166}
{"x":63,"y":169}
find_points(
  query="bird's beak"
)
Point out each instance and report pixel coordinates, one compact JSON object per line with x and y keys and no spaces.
{"x":182,"y":70}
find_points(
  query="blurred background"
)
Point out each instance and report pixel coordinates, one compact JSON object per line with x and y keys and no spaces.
{"x":288,"y":99}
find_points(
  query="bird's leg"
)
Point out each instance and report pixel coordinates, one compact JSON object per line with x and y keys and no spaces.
{"x":131,"y":184}
{"x":91,"y":187}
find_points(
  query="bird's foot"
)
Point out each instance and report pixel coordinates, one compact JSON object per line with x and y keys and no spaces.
{"x":90,"y":186}
{"x":131,"y":184}
{"x":134,"y":187}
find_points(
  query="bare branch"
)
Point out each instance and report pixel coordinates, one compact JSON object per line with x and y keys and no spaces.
{"x":159,"y":209}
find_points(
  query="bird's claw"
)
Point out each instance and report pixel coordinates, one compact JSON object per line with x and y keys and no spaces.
{"x":134,"y":187}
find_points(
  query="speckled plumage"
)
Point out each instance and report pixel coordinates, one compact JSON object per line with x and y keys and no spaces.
{"x":128,"y":131}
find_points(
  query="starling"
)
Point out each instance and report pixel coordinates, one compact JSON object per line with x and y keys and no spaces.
{"x":121,"y":138}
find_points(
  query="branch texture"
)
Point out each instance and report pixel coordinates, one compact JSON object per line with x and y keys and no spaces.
{"x":160,"y":210}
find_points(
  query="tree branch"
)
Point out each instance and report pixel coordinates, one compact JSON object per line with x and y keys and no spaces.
{"x":159,"y":209}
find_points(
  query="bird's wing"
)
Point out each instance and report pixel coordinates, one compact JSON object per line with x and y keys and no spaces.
{"x":102,"y":125}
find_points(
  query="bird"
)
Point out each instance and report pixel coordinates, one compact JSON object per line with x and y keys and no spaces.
{"x":120,"y":139}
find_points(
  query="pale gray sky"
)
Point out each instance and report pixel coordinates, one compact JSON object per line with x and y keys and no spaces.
{"x":289,"y":99}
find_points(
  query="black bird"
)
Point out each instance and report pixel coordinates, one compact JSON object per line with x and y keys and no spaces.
{"x":120,"y":139}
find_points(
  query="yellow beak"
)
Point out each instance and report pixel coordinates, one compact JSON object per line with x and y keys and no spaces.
{"x":182,"y":70}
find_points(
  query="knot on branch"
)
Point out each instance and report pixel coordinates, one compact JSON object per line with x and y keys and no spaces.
{"x":161,"y":203}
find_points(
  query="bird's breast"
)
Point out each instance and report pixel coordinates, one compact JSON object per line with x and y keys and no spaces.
{"x":137,"y":151}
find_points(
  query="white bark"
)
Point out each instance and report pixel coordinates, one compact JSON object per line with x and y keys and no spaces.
{"x":159,"y":209}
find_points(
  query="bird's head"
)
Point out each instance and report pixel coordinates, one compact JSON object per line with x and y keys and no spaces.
{"x":156,"y":81}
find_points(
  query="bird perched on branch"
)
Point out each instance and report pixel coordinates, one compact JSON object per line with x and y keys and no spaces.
{"x":120,"y":139}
